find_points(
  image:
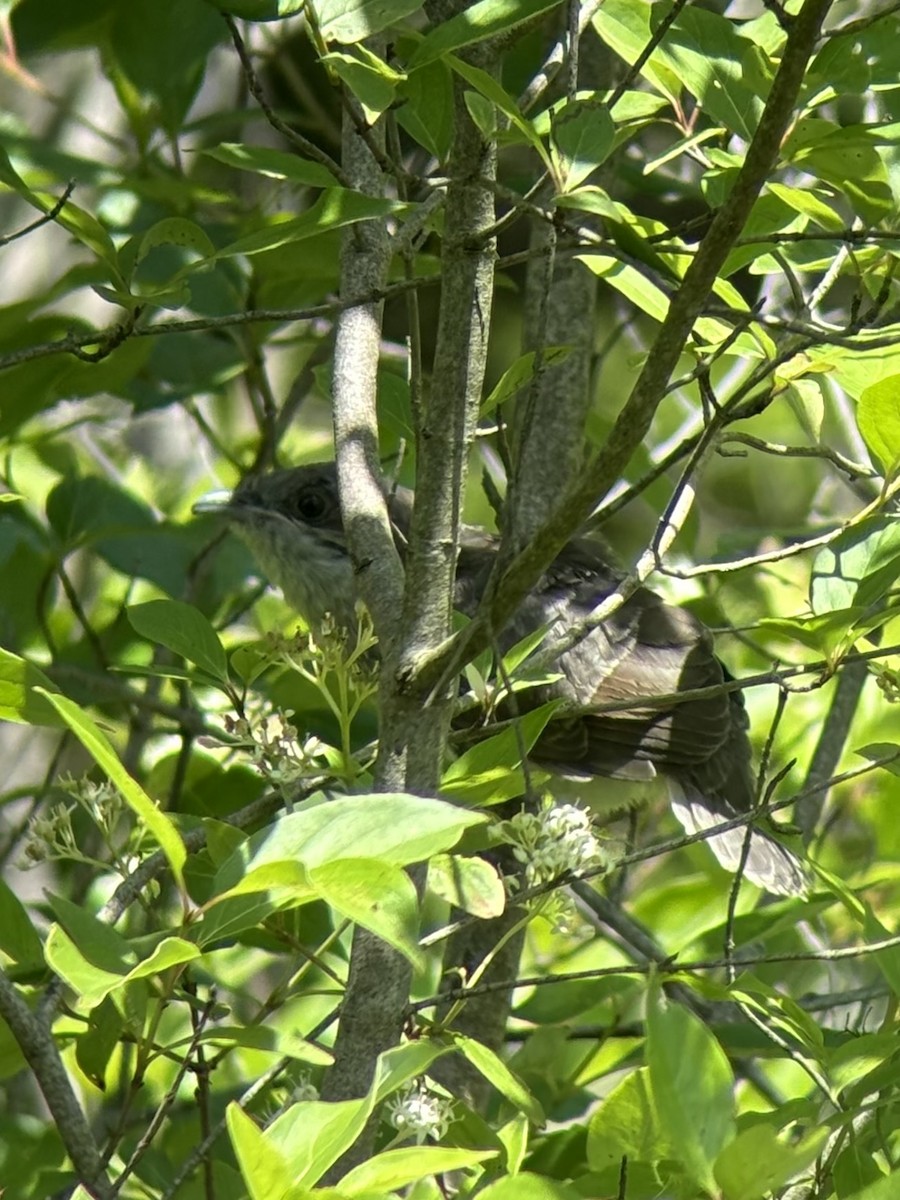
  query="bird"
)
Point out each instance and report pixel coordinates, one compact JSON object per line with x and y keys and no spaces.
{"x":290,"y":519}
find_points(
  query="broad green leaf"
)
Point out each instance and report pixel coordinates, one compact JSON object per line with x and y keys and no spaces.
{"x":882,"y":1189}
{"x":334,"y":208}
{"x":175,"y":231}
{"x":96,"y":1046}
{"x":171,"y":952}
{"x":582,"y":133}
{"x":379,"y":896}
{"x":757,"y":1163}
{"x":400,"y":1064}
{"x":626,"y":27}
{"x":265,"y":1170}
{"x":692,"y":1086}
{"x":848,"y":159}
{"x":368,"y":77}
{"x":427,"y":115}
{"x":878,"y":418}
{"x":490,"y":771}
{"x":18,"y":937}
{"x":393,"y":1169}
{"x":591,"y":199}
{"x":156,"y":54}
{"x":263,"y":1037}
{"x":807,"y":202}
{"x":352,"y":20}
{"x":630,"y":282}
{"x":467,"y":883}
{"x":89,"y":508}
{"x":626,"y":1125}
{"x":183,"y":629}
{"x":392,"y":827}
{"x":147,"y":812}
{"x":276,"y":164}
{"x":312,"y":1135}
{"x":478,"y":21}
{"x":859,"y":568}
{"x":489,"y":87}
{"x":528,"y":1186}
{"x":713,"y":62}
{"x":89,"y":980}
{"x":19,"y":701}
{"x":520,"y":373}
{"x":497,"y":1073}
{"x":829,"y":633}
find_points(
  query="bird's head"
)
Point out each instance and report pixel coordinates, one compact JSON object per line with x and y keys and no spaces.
{"x":291,"y":522}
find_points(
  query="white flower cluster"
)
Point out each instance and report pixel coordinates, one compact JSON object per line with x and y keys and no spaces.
{"x":420,"y":1113}
{"x":553,"y":841}
{"x":51,"y":836}
{"x":275,"y":747}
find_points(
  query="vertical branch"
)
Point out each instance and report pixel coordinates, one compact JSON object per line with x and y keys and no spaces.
{"x":378,"y":983}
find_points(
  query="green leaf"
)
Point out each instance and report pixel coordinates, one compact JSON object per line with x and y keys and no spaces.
{"x":263,"y":1037}
{"x":89,"y":955}
{"x":489,"y":87}
{"x":147,"y":812}
{"x":497,"y":1073}
{"x":713,"y":61}
{"x":626,"y":28}
{"x":183,"y":629}
{"x":583,"y":134}
{"x":96,"y":1046}
{"x":397,"y":1066}
{"x":809,"y":204}
{"x":467,"y":883}
{"x":626,"y":1125}
{"x":490,"y":771}
{"x":276,"y":164}
{"x":335,"y":208}
{"x":312,"y":1135}
{"x":392,"y":827}
{"x":352,"y":20}
{"x":878,"y":418}
{"x":858,"y":569}
{"x":368,"y":77}
{"x":380,"y":897}
{"x":19,"y":701}
{"x":692,"y":1086}
{"x":757,"y":1163}
{"x":393,"y":1169}
{"x":520,"y":373}
{"x":626,"y":279}
{"x":478,"y":21}
{"x":18,"y":937}
{"x":265,"y":1170}
{"x":848,"y":159}
{"x":528,"y":1186}
{"x":156,"y":54}
{"x":427,"y":115}
{"x":175,"y":231}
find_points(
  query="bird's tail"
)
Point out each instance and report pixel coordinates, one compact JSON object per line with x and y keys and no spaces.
{"x":769,"y":864}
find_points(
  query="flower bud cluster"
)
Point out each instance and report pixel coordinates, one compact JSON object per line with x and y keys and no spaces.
{"x":554,"y":841}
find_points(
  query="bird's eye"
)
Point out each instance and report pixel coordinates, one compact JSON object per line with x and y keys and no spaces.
{"x":310,"y":506}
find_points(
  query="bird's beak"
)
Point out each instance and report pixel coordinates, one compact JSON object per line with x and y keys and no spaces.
{"x":218,"y":503}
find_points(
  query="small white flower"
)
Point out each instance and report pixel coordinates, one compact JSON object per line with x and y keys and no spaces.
{"x":420,"y":1113}
{"x":556,"y":840}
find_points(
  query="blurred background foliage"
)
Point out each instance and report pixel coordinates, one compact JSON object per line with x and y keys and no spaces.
{"x":131,"y":385}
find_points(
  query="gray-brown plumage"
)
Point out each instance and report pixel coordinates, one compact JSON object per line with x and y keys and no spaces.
{"x":291,"y":520}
